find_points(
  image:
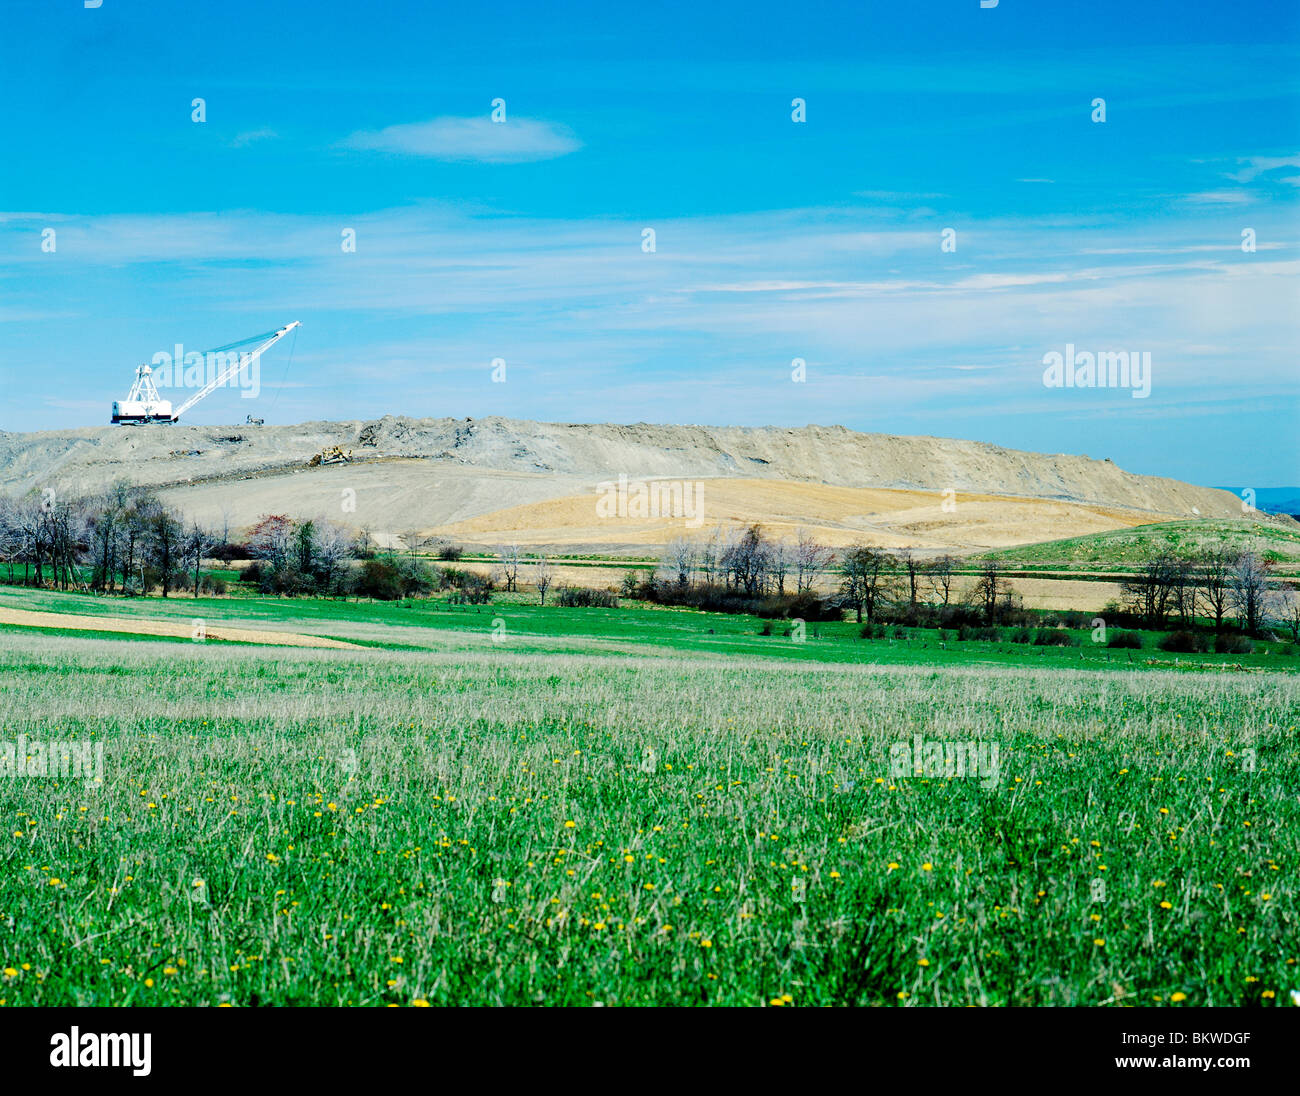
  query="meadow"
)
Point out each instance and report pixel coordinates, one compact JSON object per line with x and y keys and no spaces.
{"x":650,"y":813}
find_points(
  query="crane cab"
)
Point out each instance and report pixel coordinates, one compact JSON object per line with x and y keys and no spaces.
{"x":128,"y":412}
{"x":142,"y":403}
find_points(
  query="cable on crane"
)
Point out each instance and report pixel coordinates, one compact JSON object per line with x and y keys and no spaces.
{"x":293,"y":345}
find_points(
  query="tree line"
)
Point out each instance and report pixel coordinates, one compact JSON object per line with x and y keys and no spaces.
{"x":746,"y":570}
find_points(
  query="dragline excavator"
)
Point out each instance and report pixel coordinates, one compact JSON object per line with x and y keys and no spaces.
{"x":143,"y":404}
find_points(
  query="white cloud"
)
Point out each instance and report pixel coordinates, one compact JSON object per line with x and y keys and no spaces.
{"x":1219,"y":197}
{"x":241,"y":140}
{"x":516,"y":141}
{"x":1261,"y":165}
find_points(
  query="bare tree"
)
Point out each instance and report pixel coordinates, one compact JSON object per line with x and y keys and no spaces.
{"x":992,"y":592}
{"x":1214,"y":569}
{"x":543,"y":576}
{"x":779,"y":556}
{"x":810,"y":559}
{"x":196,"y":541}
{"x":728,"y":544}
{"x":868,"y":575}
{"x":1182,"y":588}
{"x":1248,"y":590}
{"x":509,"y":558}
{"x":912,"y":569}
{"x":1287,"y":609}
{"x":679,"y":560}
{"x":333,"y":548}
{"x":11,"y":539}
{"x":748,"y":561}
{"x":710,"y":552}
{"x":941,"y":571}
{"x":224,"y":534}
{"x":165,"y":547}
{"x":1150,"y":593}
{"x":135,"y":543}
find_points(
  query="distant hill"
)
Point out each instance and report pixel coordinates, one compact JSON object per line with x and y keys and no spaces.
{"x":1272,"y":500}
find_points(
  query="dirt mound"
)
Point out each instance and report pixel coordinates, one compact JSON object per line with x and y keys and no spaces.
{"x":92,"y":457}
{"x":433,"y":474}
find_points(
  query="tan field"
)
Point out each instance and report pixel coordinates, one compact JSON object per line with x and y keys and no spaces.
{"x":179,"y":629}
{"x":837,"y":516}
{"x":1036,"y":593}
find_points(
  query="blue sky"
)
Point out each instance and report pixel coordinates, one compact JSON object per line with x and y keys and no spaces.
{"x":775,"y":240}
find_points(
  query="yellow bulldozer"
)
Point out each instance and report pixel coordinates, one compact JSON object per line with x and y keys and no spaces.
{"x":332,"y":454}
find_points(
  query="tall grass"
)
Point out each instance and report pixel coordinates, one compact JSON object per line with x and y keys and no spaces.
{"x":379,"y":827}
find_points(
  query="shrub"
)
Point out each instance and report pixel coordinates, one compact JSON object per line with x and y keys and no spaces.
{"x":580,"y":597}
{"x":473,"y":589}
{"x":1021,"y":635}
{"x":1126,"y":640}
{"x":713,"y":598}
{"x":1184,"y":643}
{"x":802,"y":606}
{"x":1055,"y":637}
{"x":378,"y":579}
{"x":872,"y":631}
{"x":1233,"y":645}
{"x":227,"y":552}
{"x":389,"y":579}
{"x":468,"y":587}
{"x":983,"y":631}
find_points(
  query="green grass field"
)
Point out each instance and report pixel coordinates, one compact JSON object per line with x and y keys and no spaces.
{"x":638,"y":806}
{"x":1121,"y":550}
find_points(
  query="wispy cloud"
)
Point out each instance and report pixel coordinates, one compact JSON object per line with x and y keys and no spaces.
{"x":518,"y":140}
{"x":1219,"y":197}
{"x":248,"y":137}
{"x":1263,"y":165}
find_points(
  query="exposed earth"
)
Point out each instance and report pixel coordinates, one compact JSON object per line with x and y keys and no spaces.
{"x":484,"y":482}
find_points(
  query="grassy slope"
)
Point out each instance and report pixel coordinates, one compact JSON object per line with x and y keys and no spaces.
{"x":484,"y":826}
{"x":1121,"y":549}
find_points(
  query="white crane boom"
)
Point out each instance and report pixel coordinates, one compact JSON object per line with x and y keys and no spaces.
{"x":231,"y":370}
{"x":144,"y":405}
